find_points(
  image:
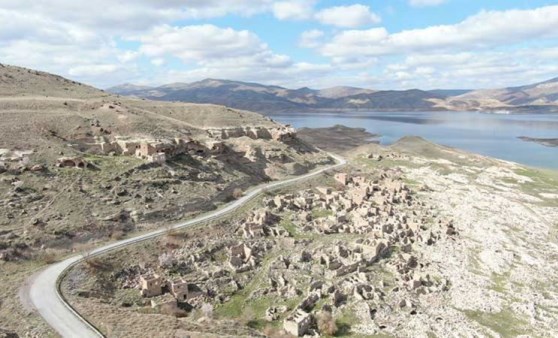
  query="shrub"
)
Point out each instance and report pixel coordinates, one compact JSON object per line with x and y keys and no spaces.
{"x":237,"y":193}
{"x":326,"y":323}
{"x":48,"y":256}
{"x":167,"y":260}
{"x":117,"y":235}
{"x":207,"y":310}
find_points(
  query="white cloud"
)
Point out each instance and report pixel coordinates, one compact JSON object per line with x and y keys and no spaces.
{"x":485,"y":69}
{"x":295,"y":75}
{"x":200,"y":42}
{"x":89,"y":43}
{"x":293,"y":9}
{"x":355,"y":42}
{"x":216,"y":52}
{"x":133,"y":15}
{"x":93,"y":70}
{"x":348,"y":16}
{"x":423,"y":3}
{"x":128,"y":56}
{"x":158,"y":62}
{"x":311,"y":38}
{"x":483,"y":30}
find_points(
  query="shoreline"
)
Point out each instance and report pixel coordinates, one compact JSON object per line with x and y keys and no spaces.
{"x":547,"y":142}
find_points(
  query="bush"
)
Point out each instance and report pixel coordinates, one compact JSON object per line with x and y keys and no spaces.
{"x":48,"y":256}
{"x":167,"y":260}
{"x":326,"y":324}
{"x":237,"y":193}
{"x":94,"y":264}
{"x":117,"y":235}
{"x":207,"y":310}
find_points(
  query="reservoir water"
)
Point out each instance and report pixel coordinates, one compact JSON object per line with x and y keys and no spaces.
{"x":494,"y":135}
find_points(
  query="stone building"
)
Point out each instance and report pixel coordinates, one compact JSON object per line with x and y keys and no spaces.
{"x":239,"y":255}
{"x":342,"y":178}
{"x":179,"y":289}
{"x":298,"y":323}
{"x":151,"y":285}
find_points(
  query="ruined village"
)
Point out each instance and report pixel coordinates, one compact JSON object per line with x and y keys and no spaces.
{"x":408,"y":240}
{"x":317,"y":252}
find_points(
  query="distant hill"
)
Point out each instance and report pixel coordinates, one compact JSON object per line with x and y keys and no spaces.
{"x":542,"y":95}
{"x":449,"y":92}
{"x":263,"y":98}
{"x":128,"y":89}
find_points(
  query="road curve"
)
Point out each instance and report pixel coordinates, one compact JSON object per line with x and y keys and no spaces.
{"x":44,"y":292}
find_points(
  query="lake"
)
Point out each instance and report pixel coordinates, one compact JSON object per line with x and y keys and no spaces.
{"x":494,"y":135}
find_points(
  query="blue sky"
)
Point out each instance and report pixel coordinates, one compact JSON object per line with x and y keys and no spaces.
{"x":396,"y":44}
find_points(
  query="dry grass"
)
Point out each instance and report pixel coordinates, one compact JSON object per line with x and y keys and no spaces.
{"x":173,"y":310}
{"x":117,"y":235}
{"x":48,"y":256}
{"x":326,"y":323}
{"x":237,"y":193}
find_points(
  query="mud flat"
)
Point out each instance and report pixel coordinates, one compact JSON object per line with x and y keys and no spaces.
{"x":338,"y":138}
{"x":547,"y":142}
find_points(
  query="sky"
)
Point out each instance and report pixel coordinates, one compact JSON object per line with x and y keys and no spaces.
{"x":379,"y":44}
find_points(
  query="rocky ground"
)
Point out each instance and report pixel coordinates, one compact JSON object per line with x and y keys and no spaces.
{"x":464,"y":245}
{"x":49,"y":210}
{"x":481,"y":262}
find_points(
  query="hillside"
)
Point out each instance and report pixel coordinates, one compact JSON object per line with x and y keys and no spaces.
{"x":252,"y":96}
{"x":262,"y":98}
{"x":50,"y":123}
{"x":79,"y":166}
{"x":18,"y":81}
{"x":409,"y":240}
{"x":541,"y":95}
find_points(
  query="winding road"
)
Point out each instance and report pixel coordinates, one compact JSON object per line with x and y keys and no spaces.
{"x":44,"y":287}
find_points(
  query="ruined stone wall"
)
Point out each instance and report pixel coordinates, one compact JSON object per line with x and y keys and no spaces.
{"x":282,"y":133}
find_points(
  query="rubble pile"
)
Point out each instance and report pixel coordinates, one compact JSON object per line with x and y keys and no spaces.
{"x":320,"y":247}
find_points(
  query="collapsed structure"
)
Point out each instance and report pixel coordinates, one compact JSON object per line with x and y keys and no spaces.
{"x":368,"y":219}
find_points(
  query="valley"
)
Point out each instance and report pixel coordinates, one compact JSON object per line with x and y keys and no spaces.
{"x":151,"y":218}
{"x":278,"y":169}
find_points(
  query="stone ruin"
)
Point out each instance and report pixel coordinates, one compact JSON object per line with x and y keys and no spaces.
{"x":71,"y":162}
{"x":282,"y":133}
{"x":167,"y":291}
{"x":261,"y":223}
{"x":298,"y":323}
{"x":392,"y":224}
{"x":389,"y":156}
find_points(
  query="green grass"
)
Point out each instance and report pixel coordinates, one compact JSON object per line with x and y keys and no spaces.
{"x":321,"y":213}
{"x":500,"y":282}
{"x":542,"y":180}
{"x":237,"y":305}
{"x":344,"y":323}
{"x":383,"y":164}
{"x":288,"y":225}
{"x":505,"y":323}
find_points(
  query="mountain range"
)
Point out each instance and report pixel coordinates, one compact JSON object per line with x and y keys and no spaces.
{"x":270,"y":99}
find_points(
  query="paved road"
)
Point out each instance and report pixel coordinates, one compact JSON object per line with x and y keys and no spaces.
{"x":43,"y":287}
